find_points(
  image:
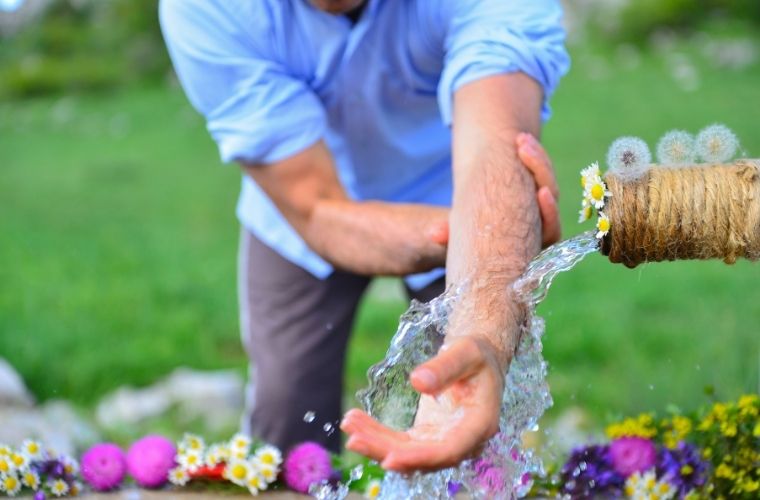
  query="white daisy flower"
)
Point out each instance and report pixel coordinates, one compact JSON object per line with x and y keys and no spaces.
{"x":70,"y":465}
{"x":190,"y":460}
{"x":269,"y":455}
{"x":10,"y":484}
{"x":237,"y":471}
{"x":31,"y":479}
{"x":6,"y":465}
{"x":192,"y":442}
{"x":590,"y":172}
{"x":373,"y":489}
{"x":32,"y":449}
{"x":585,"y":212}
{"x":255,"y":483}
{"x":240,"y":444}
{"x":179,"y":476}
{"x":76,"y":488}
{"x":5,"y":450}
{"x":20,"y":462}
{"x":596,"y":192}
{"x":602,"y":225}
{"x":59,"y":487}
{"x":268,"y":472}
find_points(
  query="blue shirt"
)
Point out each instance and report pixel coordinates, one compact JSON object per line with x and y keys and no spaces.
{"x":273,"y":77}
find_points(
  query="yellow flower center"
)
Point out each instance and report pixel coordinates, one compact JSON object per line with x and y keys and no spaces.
{"x":10,"y":483}
{"x":597,"y":192}
{"x":239,"y":471}
{"x":18,"y":460}
{"x":583,"y":181}
{"x":32,"y":448}
{"x":4,"y":466}
{"x":686,"y":470}
{"x":604,"y":225}
{"x":267,"y":458}
{"x":254,"y":481}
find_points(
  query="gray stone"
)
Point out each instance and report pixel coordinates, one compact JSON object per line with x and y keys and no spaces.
{"x":215,"y":397}
{"x":13,"y":391}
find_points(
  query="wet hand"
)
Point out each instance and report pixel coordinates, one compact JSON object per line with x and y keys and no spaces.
{"x":458,"y":411}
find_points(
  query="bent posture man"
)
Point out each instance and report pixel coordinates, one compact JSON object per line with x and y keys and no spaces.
{"x":358,"y":124}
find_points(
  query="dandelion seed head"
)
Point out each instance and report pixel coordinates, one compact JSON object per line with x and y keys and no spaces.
{"x":676,"y":148}
{"x":629,"y":157}
{"x":716,"y":143}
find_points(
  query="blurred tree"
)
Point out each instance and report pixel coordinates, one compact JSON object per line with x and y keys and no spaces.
{"x":83,"y":45}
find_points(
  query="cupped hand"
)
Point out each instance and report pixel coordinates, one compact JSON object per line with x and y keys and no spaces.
{"x":458,"y":411}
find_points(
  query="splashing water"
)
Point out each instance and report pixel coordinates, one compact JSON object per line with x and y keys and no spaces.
{"x":504,"y":469}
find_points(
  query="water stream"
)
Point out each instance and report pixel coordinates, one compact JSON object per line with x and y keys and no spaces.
{"x":504,"y":469}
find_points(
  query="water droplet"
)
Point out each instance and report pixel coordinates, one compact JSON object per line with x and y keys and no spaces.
{"x":698,"y":368}
{"x":328,"y":428}
{"x":309,"y":417}
{"x":329,"y":326}
{"x":356,"y":472}
{"x":651,"y":387}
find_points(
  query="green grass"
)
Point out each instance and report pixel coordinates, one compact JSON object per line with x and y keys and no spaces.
{"x":118,"y":246}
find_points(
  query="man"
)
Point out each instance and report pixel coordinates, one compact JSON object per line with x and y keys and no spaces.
{"x":357,"y":123}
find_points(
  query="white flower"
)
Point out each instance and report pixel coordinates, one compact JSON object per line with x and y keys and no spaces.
{"x":6,"y":465}
{"x":76,"y":488}
{"x":603,"y":225}
{"x":217,"y":454}
{"x":596,"y":192}
{"x":190,"y":460}
{"x":191,"y":442}
{"x":269,"y":455}
{"x":629,"y":157}
{"x":20,"y":462}
{"x":588,"y":173}
{"x":584,"y":213}
{"x":373,"y":489}
{"x":59,"y":487}
{"x":70,"y":465}
{"x":647,"y":487}
{"x":5,"y":450}
{"x":32,"y":449}
{"x":716,"y":144}
{"x":240,"y":444}
{"x":237,"y":471}
{"x":255,"y":482}
{"x":10,"y":484}
{"x":268,"y":472}
{"x":31,"y":479}
{"x":179,"y":476}
{"x":676,"y":148}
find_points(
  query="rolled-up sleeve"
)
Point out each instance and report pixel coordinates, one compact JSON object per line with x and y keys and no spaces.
{"x":490,"y":37}
{"x":255,"y":110}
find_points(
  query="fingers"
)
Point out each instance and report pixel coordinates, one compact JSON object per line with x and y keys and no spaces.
{"x":438,"y":232}
{"x":369,"y":437}
{"x":537,"y":161}
{"x":457,"y":361}
{"x":550,"y":223}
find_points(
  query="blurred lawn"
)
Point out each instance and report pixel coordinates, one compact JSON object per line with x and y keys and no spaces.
{"x":118,"y":247}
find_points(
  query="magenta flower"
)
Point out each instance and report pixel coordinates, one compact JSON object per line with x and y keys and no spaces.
{"x":632,"y":454}
{"x":104,"y":466}
{"x":306,"y":464}
{"x":150,"y":459}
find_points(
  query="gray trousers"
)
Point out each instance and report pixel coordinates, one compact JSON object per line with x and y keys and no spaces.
{"x":295,"y":328}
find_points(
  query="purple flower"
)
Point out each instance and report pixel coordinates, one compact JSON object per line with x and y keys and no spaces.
{"x":683,"y":468}
{"x":104,"y":466}
{"x":306,"y":464}
{"x":40,"y":495}
{"x":632,"y":454}
{"x":589,"y":472}
{"x":150,"y":459}
{"x":489,"y":477}
{"x":453,"y":488}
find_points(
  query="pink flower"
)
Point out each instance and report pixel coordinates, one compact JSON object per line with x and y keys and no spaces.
{"x":150,"y":459}
{"x":104,"y":466}
{"x":306,"y":464}
{"x":632,"y":454}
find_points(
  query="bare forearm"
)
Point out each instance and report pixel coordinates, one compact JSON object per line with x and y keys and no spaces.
{"x":376,"y":238}
{"x":495,"y":223}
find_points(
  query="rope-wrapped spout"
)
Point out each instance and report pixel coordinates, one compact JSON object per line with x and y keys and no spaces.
{"x":692,"y":212}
